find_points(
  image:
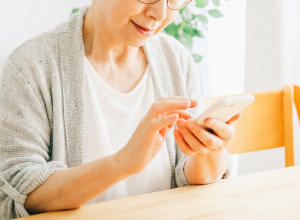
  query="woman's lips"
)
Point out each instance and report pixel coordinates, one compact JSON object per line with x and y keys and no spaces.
{"x":143,"y":30}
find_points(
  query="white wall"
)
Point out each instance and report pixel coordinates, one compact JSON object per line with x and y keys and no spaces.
{"x":290,"y":43}
{"x":272,"y":44}
{"x":22,"y":19}
{"x":226,"y":43}
{"x":263,"y":66}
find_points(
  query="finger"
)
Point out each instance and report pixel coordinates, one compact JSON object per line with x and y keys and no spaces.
{"x":164,"y":131}
{"x":194,"y":102}
{"x":182,"y":114}
{"x":182,"y":144}
{"x":158,"y":124}
{"x":223,"y":130}
{"x":170,"y":126}
{"x":194,"y":142}
{"x":159,"y":108}
{"x":173,"y":98}
{"x":209,"y":140}
{"x":235,"y":118}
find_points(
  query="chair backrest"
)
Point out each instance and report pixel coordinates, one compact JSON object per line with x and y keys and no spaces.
{"x":267,"y":123}
{"x":297,"y":99}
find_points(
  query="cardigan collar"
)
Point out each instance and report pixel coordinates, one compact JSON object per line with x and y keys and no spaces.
{"x":73,"y":83}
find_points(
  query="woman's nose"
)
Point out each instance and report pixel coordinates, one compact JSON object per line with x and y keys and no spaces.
{"x":158,"y":10}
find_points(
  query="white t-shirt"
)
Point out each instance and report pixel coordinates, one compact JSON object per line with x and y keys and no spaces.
{"x":111,"y":119}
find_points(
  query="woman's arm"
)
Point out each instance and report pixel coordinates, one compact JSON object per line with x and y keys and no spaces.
{"x":71,"y":188}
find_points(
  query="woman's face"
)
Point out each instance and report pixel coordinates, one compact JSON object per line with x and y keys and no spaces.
{"x":131,"y":22}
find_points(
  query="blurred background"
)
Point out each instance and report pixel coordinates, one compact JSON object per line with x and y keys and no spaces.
{"x":242,"y":45}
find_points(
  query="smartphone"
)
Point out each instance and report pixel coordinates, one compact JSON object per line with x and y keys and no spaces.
{"x":225,"y":109}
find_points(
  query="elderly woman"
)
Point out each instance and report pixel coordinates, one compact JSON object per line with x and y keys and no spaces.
{"x":87,"y":112}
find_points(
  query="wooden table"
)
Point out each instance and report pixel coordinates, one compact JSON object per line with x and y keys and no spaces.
{"x":269,"y":195}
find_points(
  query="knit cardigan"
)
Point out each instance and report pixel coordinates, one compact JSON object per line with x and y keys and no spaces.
{"x":42,"y":108}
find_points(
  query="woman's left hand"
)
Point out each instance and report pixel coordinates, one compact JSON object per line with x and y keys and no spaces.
{"x":195,"y":141}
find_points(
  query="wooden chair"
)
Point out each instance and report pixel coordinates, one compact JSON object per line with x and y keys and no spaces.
{"x":297,"y":99}
{"x":267,"y":123}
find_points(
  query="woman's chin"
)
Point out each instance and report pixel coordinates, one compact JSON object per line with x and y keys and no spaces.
{"x":137,"y":42}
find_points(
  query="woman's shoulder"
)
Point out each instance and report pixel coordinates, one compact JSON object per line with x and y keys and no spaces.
{"x":175,"y":61}
{"x":32,"y":62}
{"x":172,"y":50}
{"x":172,"y":46}
{"x":34,"y":50}
{"x":46,"y":46}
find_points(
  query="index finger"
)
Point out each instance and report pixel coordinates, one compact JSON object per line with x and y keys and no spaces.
{"x":161,"y":107}
{"x":194,"y":102}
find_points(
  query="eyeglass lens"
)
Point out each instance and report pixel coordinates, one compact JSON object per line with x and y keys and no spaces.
{"x":172,"y":4}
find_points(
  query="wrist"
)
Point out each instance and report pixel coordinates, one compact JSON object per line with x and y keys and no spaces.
{"x":120,"y":163}
{"x":205,"y":169}
{"x":214,"y":154}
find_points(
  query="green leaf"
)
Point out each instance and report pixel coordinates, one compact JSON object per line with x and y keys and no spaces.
{"x":197,"y":58}
{"x":201,"y":3}
{"x":202,"y":18}
{"x":186,"y":40}
{"x":171,"y":29}
{"x":75,"y":10}
{"x":215,"y":13}
{"x":181,"y":26}
{"x":216,"y":2}
{"x":193,"y":32}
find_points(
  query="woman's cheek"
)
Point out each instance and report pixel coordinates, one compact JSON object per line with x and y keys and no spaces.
{"x":159,"y":29}
{"x":165,"y":24}
{"x":171,"y":16}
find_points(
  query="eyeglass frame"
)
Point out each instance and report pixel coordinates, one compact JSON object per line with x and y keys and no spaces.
{"x":167,"y":4}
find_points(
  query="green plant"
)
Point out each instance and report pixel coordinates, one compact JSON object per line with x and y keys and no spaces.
{"x":188,"y":24}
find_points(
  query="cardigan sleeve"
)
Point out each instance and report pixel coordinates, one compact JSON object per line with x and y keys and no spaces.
{"x":25,"y":142}
{"x":193,"y":91}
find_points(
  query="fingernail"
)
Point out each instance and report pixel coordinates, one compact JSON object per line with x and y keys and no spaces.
{"x":210,"y":123}
{"x":180,"y":123}
{"x":173,"y":116}
{"x":185,"y":102}
{"x":190,"y":125}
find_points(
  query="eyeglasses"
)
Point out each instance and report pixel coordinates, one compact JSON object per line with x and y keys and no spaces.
{"x":172,"y":4}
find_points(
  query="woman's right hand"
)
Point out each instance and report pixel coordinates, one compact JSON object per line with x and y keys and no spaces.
{"x":150,"y":134}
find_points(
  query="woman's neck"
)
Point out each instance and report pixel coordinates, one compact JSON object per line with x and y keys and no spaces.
{"x":100,"y":44}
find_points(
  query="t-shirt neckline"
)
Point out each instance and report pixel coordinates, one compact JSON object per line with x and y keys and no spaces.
{"x":92,"y":71}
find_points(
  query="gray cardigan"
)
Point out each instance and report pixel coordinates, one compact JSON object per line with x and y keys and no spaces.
{"x":42,"y":108}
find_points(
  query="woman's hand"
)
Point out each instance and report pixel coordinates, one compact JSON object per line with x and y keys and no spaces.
{"x":150,"y":135}
{"x":206,"y":163}
{"x":195,"y":141}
